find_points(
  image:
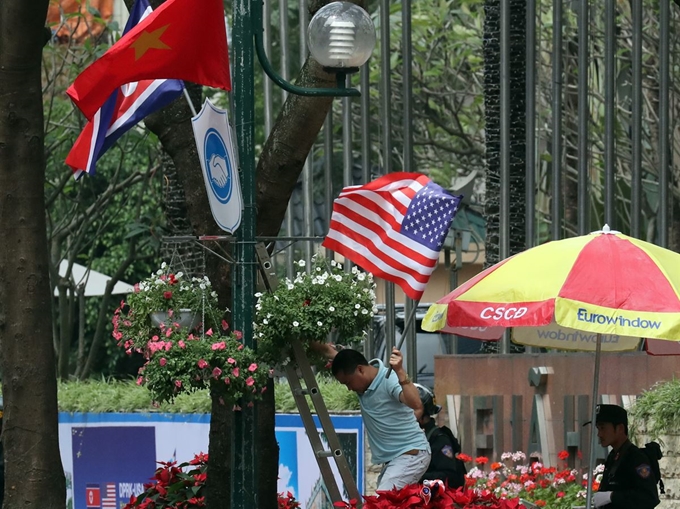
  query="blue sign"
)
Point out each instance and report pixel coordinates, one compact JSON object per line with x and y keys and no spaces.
{"x":111,"y":463}
{"x":217,"y":165}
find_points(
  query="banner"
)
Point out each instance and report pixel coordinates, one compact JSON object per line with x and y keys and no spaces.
{"x":109,"y":457}
{"x":217,"y":153}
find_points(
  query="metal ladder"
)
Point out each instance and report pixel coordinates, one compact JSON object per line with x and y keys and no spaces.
{"x":303,"y":385}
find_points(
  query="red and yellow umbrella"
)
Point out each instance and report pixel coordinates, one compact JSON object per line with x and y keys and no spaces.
{"x":604,"y":283}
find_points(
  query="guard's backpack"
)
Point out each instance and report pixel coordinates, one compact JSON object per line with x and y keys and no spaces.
{"x":653,"y":452}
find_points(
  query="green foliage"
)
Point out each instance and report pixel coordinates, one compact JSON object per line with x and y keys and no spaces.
{"x":326,"y":299}
{"x":102,"y":395}
{"x":657,"y":411}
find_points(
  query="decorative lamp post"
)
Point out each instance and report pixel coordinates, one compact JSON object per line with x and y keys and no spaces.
{"x":349,"y":39}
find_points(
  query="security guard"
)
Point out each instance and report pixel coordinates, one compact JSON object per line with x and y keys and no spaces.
{"x":628,"y":481}
{"x":444,"y":464}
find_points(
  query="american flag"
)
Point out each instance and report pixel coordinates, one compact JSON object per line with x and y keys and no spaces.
{"x":109,"y":500}
{"x":124,"y":109}
{"x":393,"y":227}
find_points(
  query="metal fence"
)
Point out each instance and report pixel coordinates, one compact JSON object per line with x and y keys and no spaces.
{"x":568,"y":110}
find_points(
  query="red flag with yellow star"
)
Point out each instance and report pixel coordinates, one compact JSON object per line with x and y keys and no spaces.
{"x":182,"y":39}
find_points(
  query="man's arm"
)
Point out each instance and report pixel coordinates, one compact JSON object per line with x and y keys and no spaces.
{"x":409,"y":394}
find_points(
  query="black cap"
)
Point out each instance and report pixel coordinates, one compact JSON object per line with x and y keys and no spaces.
{"x":610,"y":413}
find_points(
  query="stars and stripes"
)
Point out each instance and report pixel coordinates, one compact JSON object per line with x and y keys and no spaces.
{"x":109,"y":500}
{"x":393,"y":227}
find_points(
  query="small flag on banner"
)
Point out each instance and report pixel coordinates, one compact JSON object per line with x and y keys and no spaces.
{"x":217,"y":153}
{"x":179,"y":40}
{"x":122,"y":110}
{"x":393,"y":227}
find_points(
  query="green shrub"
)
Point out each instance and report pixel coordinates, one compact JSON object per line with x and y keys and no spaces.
{"x":127,"y":396}
{"x":657,"y":411}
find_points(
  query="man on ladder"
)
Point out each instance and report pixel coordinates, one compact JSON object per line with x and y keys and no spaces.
{"x":388,"y":403}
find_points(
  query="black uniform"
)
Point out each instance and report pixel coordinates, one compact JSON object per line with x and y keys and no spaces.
{"x":444,"y":464}
{"x":628,"y":474}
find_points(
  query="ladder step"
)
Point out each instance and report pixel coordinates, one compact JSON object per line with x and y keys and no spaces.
{"x":304,"y":392}
{"x":327,"y":454}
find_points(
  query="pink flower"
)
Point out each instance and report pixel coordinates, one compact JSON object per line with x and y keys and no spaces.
{"x":264,"y":389}
{"x":250,"y":404}
{"x":168,"y":332}
{"x":236,"y":408}
{"x":240,"y":347}
{"x":181,"y":344}
{"x":225,"y":325}
{"x":219,"y":346}
{"x":118,"y":335}
{"x":167,"y":295}
{"x":170,"y":313}
{"x":238,"y":334}
{"x":226,"y":380}
{"x":216,"y":372}
{"x":250,"y":381}
{"x":252,"y":367}
{"x":202,"y":364}
{"x":163,"y":361}
{"x":178,"y":383}
{"x":235,"y":372}
{"x":231,"y":360}
{"x":168,"y":345}
{"x":209,"y":332}
{"x":154,"y":338}
{"x":140,"y":380}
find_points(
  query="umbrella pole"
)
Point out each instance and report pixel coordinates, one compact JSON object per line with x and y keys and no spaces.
{"x":410,"y":320}
{"x":593,"y":427}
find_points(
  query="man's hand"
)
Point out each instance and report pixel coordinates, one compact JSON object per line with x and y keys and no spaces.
{"x":602,"y":498}
{"x":397,"y":361}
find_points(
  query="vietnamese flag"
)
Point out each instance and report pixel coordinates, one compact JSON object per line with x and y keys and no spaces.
{"x":182,"y":39}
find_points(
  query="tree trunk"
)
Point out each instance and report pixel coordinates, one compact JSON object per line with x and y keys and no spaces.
{"x":33,"y":472}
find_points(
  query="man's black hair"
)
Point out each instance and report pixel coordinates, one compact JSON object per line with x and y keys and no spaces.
{"x":346,"y":361}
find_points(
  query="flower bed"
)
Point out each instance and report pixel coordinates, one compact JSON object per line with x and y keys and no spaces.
{"x":183,"y":487}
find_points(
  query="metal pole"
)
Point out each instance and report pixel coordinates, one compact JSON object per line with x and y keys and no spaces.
{"x":328,"y":170}
{"x":386,"y":119}
{"x":285,"y":66}
{"x":531,"y":125}
{"x":664,"y":126}
{"x":307,"y":171}
{"x":556,"y":201}
{"x":609,"y":111}
{"x":583,"y":116}
{"x":244,"y":456}
{"x":593,"y":428}
{"x":365,"y":83}
{"x":636,"y":114}
{"x":504,"y":220}
{"x":268,"y":89}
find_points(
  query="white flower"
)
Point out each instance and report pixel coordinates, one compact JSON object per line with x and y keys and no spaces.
{"x":357,"y":306}
{"x":276,"y":297}
{"x":265,"y":321}
{"x":301,"y":263}
{"x":163,"y":265}
{"x":213,"y":294}
{"x":361,"y":276}
{"x":318,"y":269}
{"x":334,"y":263}
{"x":202,"y":286}
{"x":338,"y":277}
{"x":258,"y":294}
{"x":364,"y":311}
{"x":320,"y":324}
{"x":290,"y":286}
{"x":295,"y":324}
{"x":331,"y":309}
{"x":179,"y":275}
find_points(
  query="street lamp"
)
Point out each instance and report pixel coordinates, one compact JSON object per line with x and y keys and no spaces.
{"x":341,"y":37}
{"x":248,"y":29}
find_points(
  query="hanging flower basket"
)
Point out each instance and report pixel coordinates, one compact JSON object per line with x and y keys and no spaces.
{"x":165,"y":299}
{"x":325,"y":300}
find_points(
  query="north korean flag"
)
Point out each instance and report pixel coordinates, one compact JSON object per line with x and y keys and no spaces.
{"x":125,"y":108}
{"x":93,"y":497}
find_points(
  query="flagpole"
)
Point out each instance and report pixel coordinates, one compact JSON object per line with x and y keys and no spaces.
{"x":189,"y":101}
{"x":410,"y":320}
